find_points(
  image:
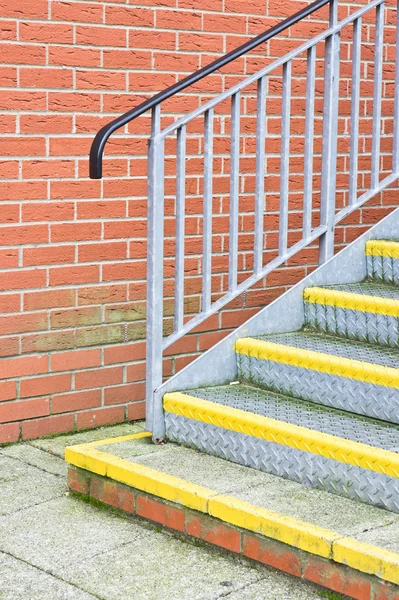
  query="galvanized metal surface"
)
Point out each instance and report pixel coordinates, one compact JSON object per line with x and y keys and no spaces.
{"x":306,"y":468}
{"x":302,"y":413}
{"x":383,"y":268}
{"x":328,"y":215}
{"x":352,"y":395}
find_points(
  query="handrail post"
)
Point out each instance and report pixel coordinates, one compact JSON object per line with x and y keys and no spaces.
{"x":155,"y":258}
{"x":330,"y":138}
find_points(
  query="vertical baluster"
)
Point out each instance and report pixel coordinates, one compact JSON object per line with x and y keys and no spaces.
{"x":234,"y":191}
{"x":208,"y":197}
{"x":395,"y":158}
{"x":260,"y":174}
{"x":330,"y":139}
{"x":355,"y":111}
{"x":180,"y":215}
{"x":309,"y":142}
{"x":285,"y":158}
{"x":377,"y":101}
{"x":155,"y":252}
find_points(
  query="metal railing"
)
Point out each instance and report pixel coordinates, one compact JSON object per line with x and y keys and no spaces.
{"x":330,"y":216}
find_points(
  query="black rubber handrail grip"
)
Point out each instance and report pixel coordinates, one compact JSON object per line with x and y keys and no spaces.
{"x":97,"y":147}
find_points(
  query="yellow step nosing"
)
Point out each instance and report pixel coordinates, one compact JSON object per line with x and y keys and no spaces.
{"x":352,"y":301}
{"x":293,"y":532}
{"x":367,"y":558}
{"x":388,"y":249}
{"x":286,"y":434}
{"x":139,"y":476}
{"x":318,"y":361}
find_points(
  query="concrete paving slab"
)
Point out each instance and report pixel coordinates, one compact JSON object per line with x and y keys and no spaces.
{"x":64,"y":532}
{"x":58,"y":444}
{"x":276,"y":586}
{"x":28,"y":454}
{"x":10,"y":469}
{"x":386,"y":537}
{"x":20,"y":581}
{"x":161,"y":566}
{"x":134,"y":448}
{"x":29,"y":489}
{"x":202,"y":469}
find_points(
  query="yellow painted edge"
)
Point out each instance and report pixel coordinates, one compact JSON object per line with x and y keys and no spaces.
{"x":318,"y":361}
{"x":286,"y":434}
{"x":352,"y":301}
{"x":115,"y":440}
{"x":293,"y":532}
{"x":367,"y":558}
{"x":140,"y":477}
{"x":271,"y":524}
{"x":382,"y":248}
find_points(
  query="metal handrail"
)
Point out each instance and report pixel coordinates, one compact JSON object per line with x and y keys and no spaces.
{"x":97,"y":147}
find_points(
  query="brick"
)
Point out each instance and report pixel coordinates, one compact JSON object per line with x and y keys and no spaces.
{"x":383,"y":591}
{"x":102,"y":252}
{"x":337,"y":578}
{"x":18,"y":324}
{"x":9,"y":303}
{"x":272,"y":553}
{"x":24,"y":234}
{"x":76,"y":401}
{"x":8,"y":390}
{"x":123,"y":394}
{"x":31,"y":9}
{"x":24,"y":146}
{"x":17,"y":280}
{"x":136,"y":411}
{"x":47,"y":426}
{"x":50,"y":384}
{"x":137,"y":17}
{"x":124,"y":353}
{"x":77,"y":11}
{"x":46,"y":124}
{"x":26,"y":409}
{"x":22,"y":54}
{"x":102,"y":416}
{"x":98,"y":378}
{"x":112,"y":494}
{"x":75,"y":317}
{"x":46,"y":33}
{"x":210,"y":530}
{"x":74,"y":57}
{"x":48,"y":255}
{"x":9,"y":433}
{"x":18,"y":367}
{"x":49,"y":299}
{"x":73,"y":275}
{"x":79,"y":480}
{"x":102,"y":294}
{"x":49,"y":341}
{"x":34,"y":169}
{"x":160,"y":513}
{"x":21,"y":190}
{"x":79,"y":359}
{"x":46,"y":78}
{"x":68,"y":232}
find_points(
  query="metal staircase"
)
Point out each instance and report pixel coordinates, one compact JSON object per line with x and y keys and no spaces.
{"x":312,"y":393}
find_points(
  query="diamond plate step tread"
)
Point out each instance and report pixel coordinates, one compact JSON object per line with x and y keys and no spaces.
{"x":349,"y":376}
{"x":304,"y":414}
{"x":331,"y":463}
{"x":368,"y":353}
{"x":361,"y":311}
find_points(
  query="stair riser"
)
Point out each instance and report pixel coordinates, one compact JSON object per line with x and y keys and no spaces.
{"x":356,"y":325}
{"x":351,"y":395}
{"x":306,"y":468}
{"x":383,"y":268}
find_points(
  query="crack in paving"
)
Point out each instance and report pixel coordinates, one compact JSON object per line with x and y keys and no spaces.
{"x":50,"y":574}
{"x":26,"y":462}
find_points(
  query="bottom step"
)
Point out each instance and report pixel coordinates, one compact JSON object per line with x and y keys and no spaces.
{"x":339,"y":452}
{"x":335,"y":542}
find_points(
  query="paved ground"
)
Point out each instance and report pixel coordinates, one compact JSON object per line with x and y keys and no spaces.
{"x":55,"y":547}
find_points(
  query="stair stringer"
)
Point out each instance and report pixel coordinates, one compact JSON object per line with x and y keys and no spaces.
{"x":218,"y":365}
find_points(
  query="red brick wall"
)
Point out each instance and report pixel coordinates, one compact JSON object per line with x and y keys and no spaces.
{"x":72,"y":250}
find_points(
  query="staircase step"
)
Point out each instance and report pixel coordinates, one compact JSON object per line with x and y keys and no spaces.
{"x":331,"y":450}
{"x":343,"y":374}
{"x":362,"y":311}
{"x":383,"y":260}
{"x":291,"y":527}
